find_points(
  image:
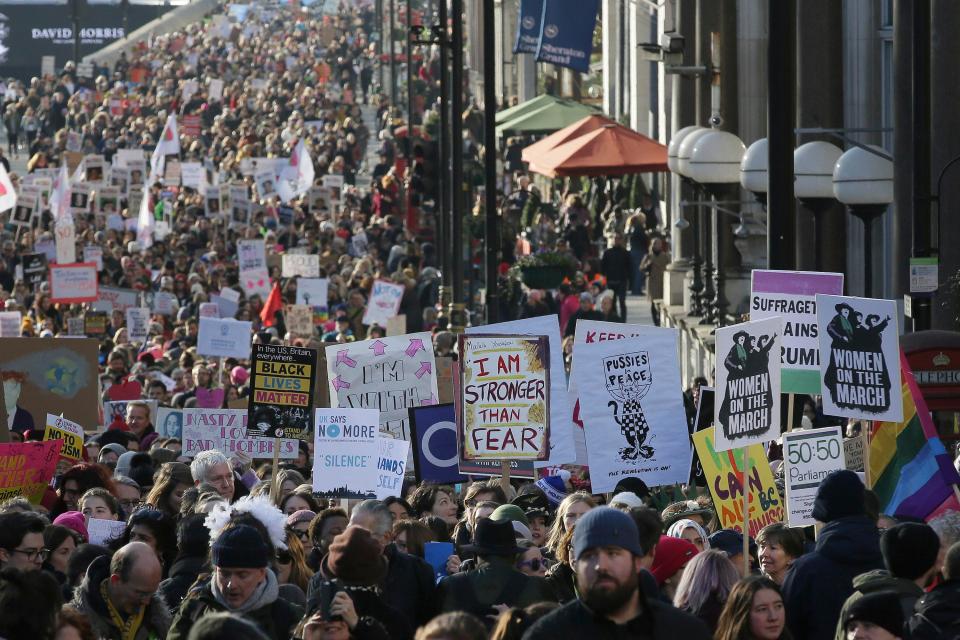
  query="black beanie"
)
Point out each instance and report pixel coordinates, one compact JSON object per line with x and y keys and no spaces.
{"x":240,"y":547}
{"x":909,"y":549}
{"x":881,"y":608}
{"x":193,"y":537}
{"x":840,"y":495}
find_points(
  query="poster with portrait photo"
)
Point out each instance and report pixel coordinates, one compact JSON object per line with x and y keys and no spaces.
{"x":212,"y":202}
{"x":135,"y":177}
{"x":266,"y":184}
{"x":108,"y":200}
{"x":93,"y":169}
{"x":119,"y":178}
{"x":748,"y":384}
{"x":27,"y":201}
{"x":80,"y":198}
{"x":319,"y":200}
{"x":334,"y":185}
{"x":134,"y":198}
{"x":860,"y":358}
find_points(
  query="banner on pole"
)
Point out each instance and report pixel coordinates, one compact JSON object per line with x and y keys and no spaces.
{"x":566,"y":33}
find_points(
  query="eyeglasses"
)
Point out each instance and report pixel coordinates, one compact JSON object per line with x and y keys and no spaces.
{"x":303,"y":535}
{"x":130,"y":505}
{"x":33,"y":554}
{"x":534,"y":564}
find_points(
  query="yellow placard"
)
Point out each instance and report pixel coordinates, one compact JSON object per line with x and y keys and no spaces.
{"x":72,"y":443}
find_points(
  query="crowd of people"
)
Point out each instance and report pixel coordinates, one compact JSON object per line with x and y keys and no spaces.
{"x":215,"y":546}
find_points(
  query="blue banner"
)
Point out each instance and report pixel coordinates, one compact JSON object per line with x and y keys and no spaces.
{"x":528,"y":26}
{"x":433,"y":435}
{"x":566,"y":33}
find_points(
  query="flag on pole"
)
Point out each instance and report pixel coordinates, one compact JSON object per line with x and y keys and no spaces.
{"x":268,"y":315}
{"x":78,"y":173}
{"x":167,"y":145}
{"x":297,"y":177}
{"x":60,"y":195}
{"x":8,"y":195}
{"x":146,"y":222}
{"x":912,"y":472}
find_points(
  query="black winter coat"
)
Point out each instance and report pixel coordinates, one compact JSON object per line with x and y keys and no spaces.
{"x":937,"y":614}
{"x":183,"y":573}
{"x":820,"y":582}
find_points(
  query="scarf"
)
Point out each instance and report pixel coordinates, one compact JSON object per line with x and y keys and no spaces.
{"x":265,"y":594}
{"x":846,"y":325}
{"x":741,"y":352}
{"x":128,"y":629}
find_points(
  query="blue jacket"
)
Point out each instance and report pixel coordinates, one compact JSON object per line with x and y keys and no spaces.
{"x":820,"y":582}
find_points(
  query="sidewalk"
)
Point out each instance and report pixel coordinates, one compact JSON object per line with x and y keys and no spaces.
{"x":638,"y":310}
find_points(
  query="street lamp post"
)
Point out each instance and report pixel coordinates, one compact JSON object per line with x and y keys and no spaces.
{"x":457,"y":308}
{"x":863,"y":181}
{"x":393,"y":57}
{"x":715,"y":165}
{"x":701,"y":287}
{"x":491,"y":231}
{"x":813,"y":164}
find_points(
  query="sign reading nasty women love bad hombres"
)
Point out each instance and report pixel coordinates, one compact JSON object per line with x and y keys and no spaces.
{"x":504,"y":405}
{"x":792,"y":295}
{"x":859,"y":357}
{"x":748,"y":381}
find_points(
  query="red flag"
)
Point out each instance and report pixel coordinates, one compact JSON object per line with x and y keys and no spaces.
{"x":274,"y":304}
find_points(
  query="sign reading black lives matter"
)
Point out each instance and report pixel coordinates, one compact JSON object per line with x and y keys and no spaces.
{"x":748,"y":384}
{"x":281,"y":392}
{"x":860,"y":358}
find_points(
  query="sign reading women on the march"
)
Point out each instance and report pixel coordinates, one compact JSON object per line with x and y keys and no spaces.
{"x":748,"y":383}
{"x":859,"y":358}
{"x":504,"y":404}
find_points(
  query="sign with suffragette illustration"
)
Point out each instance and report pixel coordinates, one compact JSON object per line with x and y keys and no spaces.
{"x":859,"y":356}
{"x":748,"y":384}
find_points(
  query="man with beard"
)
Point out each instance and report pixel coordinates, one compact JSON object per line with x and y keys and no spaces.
{"x":606,"y":545}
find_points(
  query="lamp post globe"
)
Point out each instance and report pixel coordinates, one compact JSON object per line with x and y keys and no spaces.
{"x":813,"y":165}
{"x":673,"y":149}
{"x":754,"y":169}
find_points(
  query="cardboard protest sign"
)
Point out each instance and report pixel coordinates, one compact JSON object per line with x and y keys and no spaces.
{"x":433,"y":436}
{"x":504,"y":406}
{"x":561,"y":431}
{"x":724,"y":473}
{"x":193,"y":175}
{"x":69,"y":433}
{"x":165,"y":303}
{"x":334,"y":186}
{"x":34,"y":268}
{"x":226,"y":431}
{"x":95,"y":323}
{"x":49,"y":376}
{"x":391,"y":465}
{"x":631,"y":404}
{"x":169,"y":422}
{"x":345,"y":442}
{"x":70,"y":283}
{"x":303,"y":265}
{"x":93,"y":253}
{"x":223,"y":338}
{"x":748,"y":383}
{"x":808,"y":457}
{"x":66,"y":238}
{"x":266,"y":184}
{"x":100,"y":531}
{"x":26,"y":468}
{"x":138,"y":324}
{"x":388,"y":374}
{"x":313,"y":292}
{"x":208,"y":310}
{"x":792,"y":295}
{"x":112,"y":298}
{"x":281,"y":391}
{"x":384,"y":302}
{"x":703,"y":420}
{"x":859,"y":356}
{"x":298,"y":319}
{"x":853,"y":452}
{"x":254,"y":275}
{"x":115,"y":411}
{"x":11,"y":323}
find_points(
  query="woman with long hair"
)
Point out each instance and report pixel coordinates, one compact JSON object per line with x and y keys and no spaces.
{"x":561,"y":576}
{"x":570,"y":510}
{"x":288,"y":480}
{"x":173,"y":480}
{"x":300,"y":499}
{"x":292,"y":564}
{"x":76,"y":481}
{"x":410,"y":536}
{"x":754,"y":611}
{"x":705,"y":586}
{"x":435,"y":500}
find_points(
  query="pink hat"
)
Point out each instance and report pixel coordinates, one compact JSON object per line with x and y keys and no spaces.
{"x":73,"y":520}
{"x":239,"y":375}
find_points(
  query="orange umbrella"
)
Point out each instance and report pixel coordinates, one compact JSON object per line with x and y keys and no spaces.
{"x":568,"y":133}
{"x":611,"y":150}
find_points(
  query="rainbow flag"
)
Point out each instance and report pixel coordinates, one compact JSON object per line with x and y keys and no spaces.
{"x":912,"y":472}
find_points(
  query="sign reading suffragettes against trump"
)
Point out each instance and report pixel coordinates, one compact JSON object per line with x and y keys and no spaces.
{"x":631,"y":404}
{"x":281,"y":391}
{"x":748,"y":383}
{"x":346,"y":451}
{"x":724,"y":473}
{"x":384,"y":302}
{"x":859,"y":358}
{"x":793,"y":296}
{"x":504,"y":401}
{"x":226,"y":431}
{"x":26,"y":468}
{"x":387,"y":374}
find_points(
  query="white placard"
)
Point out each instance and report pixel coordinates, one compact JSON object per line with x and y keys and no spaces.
{"x":164,"y":303}
{"x":345,"y":440}
{"x":73,"y":282}
{"x":102,"y":531}
{"x":384,"y":302}
{"x":808,"y":457}
{"x":226,"y":431}
{"x":223,"y":338}
{"x":93,"y":253}
{"x":11,"y":323}
{"x":66,"y":238}
{"x":193,"y":175}
{"x":312,"y":291}
{"x":391,"y":465}
{"x":254,"y":274}
{"x":301,"y":265}
{"x":138,"y":324}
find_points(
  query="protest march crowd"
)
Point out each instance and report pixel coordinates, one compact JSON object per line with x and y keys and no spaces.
{"x":252,"y":246}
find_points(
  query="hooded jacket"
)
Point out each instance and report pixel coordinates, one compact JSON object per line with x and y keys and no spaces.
{"x":937,"y":614}
{"x":820,"y":582}
{"x":880,"y":580}
{"x":183,"y":573}
{"x":88,"y":600}
{"x":271,"y":614}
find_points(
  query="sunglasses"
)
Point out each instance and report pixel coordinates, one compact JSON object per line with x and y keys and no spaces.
{"x":534,"y":564}
{"x":283,"y":556}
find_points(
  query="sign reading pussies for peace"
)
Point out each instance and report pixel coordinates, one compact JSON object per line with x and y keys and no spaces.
{"x":631,"y":404}
{"x":388,"y":374}
{"x":859,"y":356}
{"x":748,"y":384}
{"x":281,"y":391}
{"x":792,"y":295}
{"x":504,"y":401}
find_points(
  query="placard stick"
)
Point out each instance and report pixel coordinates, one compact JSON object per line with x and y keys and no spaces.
{"x":789,"y":412}
{"x":505,"y":477}
{"x":274,"y":483}
{"x":866,"y":456}
{"x":746,"y":511}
